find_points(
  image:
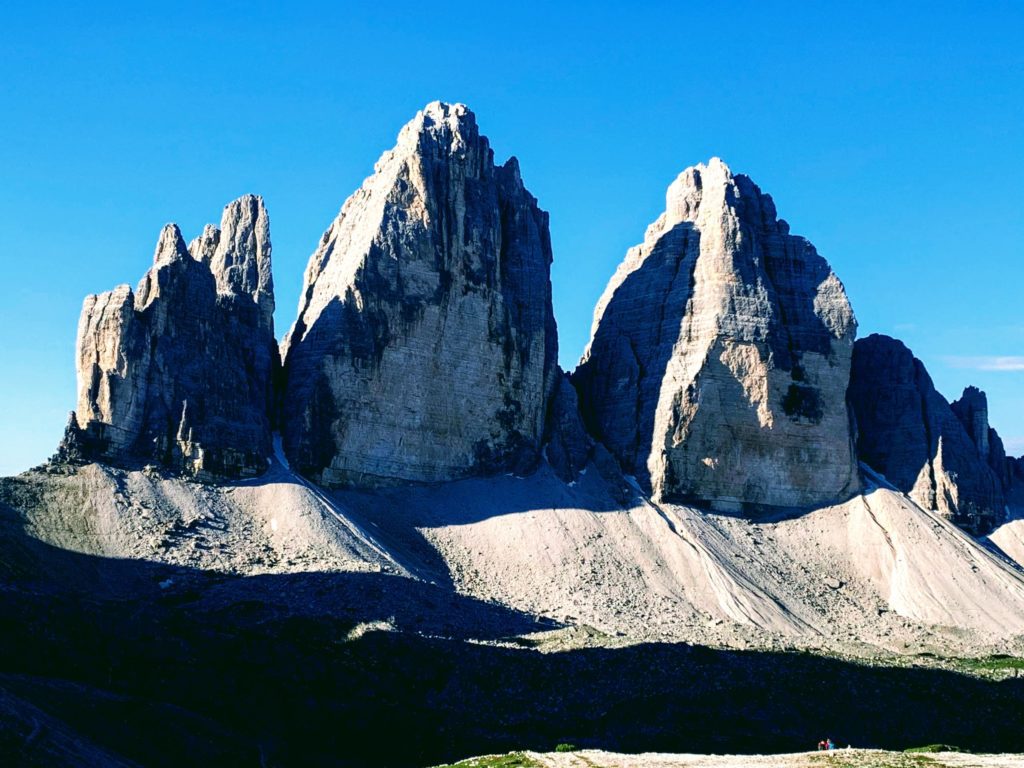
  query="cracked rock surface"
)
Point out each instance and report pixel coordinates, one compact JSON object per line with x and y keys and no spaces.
{"x":425,"y":348}
{"x":908,"y":432}
{"x":179,"y":371}
{"x":720,"y":355}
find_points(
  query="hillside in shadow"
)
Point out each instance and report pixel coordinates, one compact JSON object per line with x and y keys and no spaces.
{"x":162,"y":666}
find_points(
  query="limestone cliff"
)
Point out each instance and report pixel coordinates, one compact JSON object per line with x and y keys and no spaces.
{"x":424,"y":348}
{"x":908,"y":432}
{"x":179,"y":372}
{"x":972,"y":411}
{"x":720,"y":352}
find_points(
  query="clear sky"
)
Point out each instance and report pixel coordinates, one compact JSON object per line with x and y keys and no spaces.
{"x":890,"y":134}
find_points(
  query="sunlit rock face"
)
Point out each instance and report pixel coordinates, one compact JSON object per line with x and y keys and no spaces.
{"x":179,"y":371}
{"x":425,"y":345}
{"x":908,"y":432}
{"x":720,"y":355}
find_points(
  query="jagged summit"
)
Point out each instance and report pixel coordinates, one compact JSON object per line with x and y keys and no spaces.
{"x":720,"y":352}
{"x":169,"y":245}
{"x":424,"y":347}
{"x":180,"y":371}
{"x":972,"y":411}
{"x":241,"y":261}
{"x":940,"y":455}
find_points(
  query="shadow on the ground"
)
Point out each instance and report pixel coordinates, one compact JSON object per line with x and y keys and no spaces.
{"x":98,"y":659}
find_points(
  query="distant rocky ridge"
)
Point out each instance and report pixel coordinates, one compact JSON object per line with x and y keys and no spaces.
{"x":946,"y":457}
{"x":179,"y":372}
{"x":972,"y":410}
{"x":425,"y":347}
{"x":720,"y":354}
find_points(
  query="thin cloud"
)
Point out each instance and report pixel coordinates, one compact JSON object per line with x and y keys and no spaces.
{"x":1014,"y":445}
{"x":987,"y":362}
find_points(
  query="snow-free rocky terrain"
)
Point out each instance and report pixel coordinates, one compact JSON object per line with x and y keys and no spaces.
{"x":843,"y":758}
{"x":407,"y":536}
{"x":872,"y":576}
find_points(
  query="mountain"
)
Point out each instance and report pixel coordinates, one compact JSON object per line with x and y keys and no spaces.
{"x":720,"y":355}
{"x":417,"y":538}
{"x":179,"y":372}
{"x":908,"y":432}
{"x":972,"y":410}
{"x":425,"y":347}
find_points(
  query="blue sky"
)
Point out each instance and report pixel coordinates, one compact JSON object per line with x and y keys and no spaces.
{"x":890,"y":137}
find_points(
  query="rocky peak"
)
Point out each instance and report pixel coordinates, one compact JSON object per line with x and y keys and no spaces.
{"x":908,"y":432}
{"x":178,"y":373}
{"x":241,"y":261}
{"x":203,"y":247}
{"x":722,"y":323}
{"x":972,"y":410}
{"x":171,"y":253}
{"x":238,"y":253}
{"x":170,"y":246}
{"x":425,"y":346}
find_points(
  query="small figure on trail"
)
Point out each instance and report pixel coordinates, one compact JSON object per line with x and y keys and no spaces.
{"x":830,"y":745}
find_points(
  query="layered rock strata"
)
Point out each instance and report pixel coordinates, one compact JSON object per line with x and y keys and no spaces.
{"x":908,"y":432}
{"x":425,"y":347}
{"x":179,"y":371}
{"x":720,"y":355}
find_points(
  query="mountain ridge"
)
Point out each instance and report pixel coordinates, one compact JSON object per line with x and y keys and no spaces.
{"x":439,"y":194}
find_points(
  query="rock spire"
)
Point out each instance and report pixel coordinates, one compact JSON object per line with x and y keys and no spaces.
{"x":179,"y":371}
{"x":424,"y":348}
{"x":720,"y":355}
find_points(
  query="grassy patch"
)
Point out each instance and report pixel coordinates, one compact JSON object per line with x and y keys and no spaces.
{"x":997,"y":661}
{"x":511,"y":760}
{"x":934,"y":748}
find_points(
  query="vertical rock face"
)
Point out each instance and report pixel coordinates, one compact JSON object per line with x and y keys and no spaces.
{"x":568,"y":446}
{"x":425,"y":346}
{"x":179,"y":371}
{"x":972,"y":411}
{"x":1016,"y":468}
{"x":720,"y":355}
{"x":908,"y":432}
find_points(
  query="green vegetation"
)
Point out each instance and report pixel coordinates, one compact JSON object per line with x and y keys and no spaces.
{"x":512,"y":760}
{"x":996,"y":662}
{"x":935,"y":748}
{"x":565,"y":748}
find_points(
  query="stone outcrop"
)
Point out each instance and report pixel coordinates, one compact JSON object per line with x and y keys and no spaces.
{"x":424,"y":348}
{"x":179,"y":372}
{"x":908,"y":432}
{"x":568,"y":446}
{"x":972,"y":411}
{"x":720,"y":355}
